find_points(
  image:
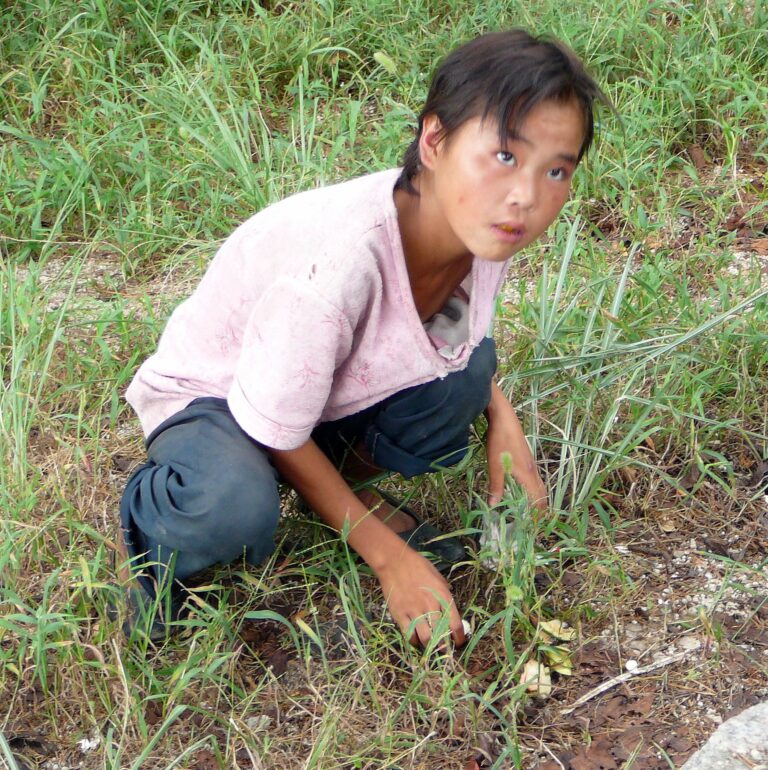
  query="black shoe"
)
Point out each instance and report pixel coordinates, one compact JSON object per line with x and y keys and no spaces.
{"x":426,"y":537}
{"x":146,"y":615}
{"x":149,"y":616}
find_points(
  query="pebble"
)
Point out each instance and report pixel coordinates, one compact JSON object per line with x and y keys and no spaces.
{"x":259,"y":724}
{"x":688,"y":643}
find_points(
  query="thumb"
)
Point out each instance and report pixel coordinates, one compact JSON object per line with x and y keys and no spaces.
{"x":498,"y":468}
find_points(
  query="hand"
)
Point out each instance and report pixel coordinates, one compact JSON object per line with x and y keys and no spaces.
{"x":416,"y":592}
{"x":505,"y":435}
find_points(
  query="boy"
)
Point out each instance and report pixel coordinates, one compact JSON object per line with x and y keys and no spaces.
{"x":342,"y":332}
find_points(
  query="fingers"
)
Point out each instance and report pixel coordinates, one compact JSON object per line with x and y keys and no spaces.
{"x":422,"y":629}
{"x":423,"y":632}
{"x":536,"y":492}
{"x":420,"y":601}
{"x":495,"y":482}
{"x":457,"y":627}
{"x":529,"y":480}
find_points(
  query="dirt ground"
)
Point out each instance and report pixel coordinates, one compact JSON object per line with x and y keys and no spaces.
{"x":682,"y":611}
{"x":699,"y":624}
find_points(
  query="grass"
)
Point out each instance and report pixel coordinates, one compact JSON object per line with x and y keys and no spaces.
{"x":135,"y":136}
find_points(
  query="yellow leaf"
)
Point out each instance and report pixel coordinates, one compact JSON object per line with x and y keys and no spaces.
{"x":564,"y":669}
{"x":557,"y":656}
{"x":556,"y":629}
{"x":310,"y":632}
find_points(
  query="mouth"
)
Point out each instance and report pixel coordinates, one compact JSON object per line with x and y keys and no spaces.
{"x":510,"y":233}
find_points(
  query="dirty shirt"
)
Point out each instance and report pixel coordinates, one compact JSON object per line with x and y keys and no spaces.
{"x":306,"y":315}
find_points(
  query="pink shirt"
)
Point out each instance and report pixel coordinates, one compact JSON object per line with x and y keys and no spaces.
{"x":305,"y":315}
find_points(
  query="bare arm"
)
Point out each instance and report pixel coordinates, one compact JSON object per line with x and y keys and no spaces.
{"x":412,"y":587}
{"x":505,"y":434}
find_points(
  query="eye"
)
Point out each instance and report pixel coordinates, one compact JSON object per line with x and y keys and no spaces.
{"x":506,"y":158}
{"x":559,"y":174}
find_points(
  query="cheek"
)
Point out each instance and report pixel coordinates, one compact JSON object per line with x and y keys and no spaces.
{"x":557,"y":200}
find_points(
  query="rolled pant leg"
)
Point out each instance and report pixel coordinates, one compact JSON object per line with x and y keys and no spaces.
{"x":207,"y":494}
{"x":420,"y":429}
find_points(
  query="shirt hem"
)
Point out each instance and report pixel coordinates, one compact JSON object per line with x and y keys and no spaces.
{"x":261,"y":428}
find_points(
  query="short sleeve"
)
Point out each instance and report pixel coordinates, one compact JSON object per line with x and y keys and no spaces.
{"x":293,"y":342}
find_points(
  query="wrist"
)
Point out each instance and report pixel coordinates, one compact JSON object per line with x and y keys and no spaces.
{"x":376,"y":544}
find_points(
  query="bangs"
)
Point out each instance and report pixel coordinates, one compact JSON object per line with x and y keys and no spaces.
{"x":503,"y":76}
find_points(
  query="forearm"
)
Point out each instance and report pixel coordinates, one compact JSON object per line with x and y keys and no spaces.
{"x":501,"y":410}
{"x":506,"y":435}
{"x":499,"y":404}
{"x":315,"y":478}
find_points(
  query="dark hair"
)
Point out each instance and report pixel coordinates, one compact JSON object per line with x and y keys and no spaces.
{"x":503,"y":74}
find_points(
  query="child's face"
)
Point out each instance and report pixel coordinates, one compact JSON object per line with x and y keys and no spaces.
{"x":496,"y":198}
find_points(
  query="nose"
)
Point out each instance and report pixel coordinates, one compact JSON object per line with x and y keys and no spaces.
{"x":522,"y":191}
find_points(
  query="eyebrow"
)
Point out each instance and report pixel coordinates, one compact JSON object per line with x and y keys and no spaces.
{"x":514,"y":136}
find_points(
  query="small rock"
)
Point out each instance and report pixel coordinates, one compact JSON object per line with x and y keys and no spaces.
{"x":89,"y":744}
{"x":258,"y":724}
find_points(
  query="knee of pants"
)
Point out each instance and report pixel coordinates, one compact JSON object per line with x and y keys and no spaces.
{"x":242,"y":513}
{"x":237,"y":507}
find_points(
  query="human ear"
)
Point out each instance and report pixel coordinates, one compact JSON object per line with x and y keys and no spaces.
{"x":430,"y":139}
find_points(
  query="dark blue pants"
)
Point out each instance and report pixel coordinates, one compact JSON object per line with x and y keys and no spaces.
{"x":208,"y":493}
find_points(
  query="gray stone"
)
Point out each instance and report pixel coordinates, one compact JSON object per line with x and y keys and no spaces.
{"x":741,"y":743}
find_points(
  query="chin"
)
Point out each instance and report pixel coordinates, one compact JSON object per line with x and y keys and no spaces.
{"x":495,"y":257}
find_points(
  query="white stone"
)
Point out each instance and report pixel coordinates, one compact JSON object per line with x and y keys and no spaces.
{"x":745,"y":735}
{"x":89,"y":744}
{"x":689,"y":643}
{"x":259,"y":724}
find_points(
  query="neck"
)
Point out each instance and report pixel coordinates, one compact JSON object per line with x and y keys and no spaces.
{"x":436,"y":266}
{"x":429,"y":245}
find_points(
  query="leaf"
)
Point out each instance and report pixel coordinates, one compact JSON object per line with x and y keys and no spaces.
{"x":270,"y":615}
{"x":759,"y":474}
{"x":559,"y":659}
{"x":536,"y":678}
{"x":564,"y":669}
{"x":698,"y":157}
{"x":310,"y":632}
{"x":556,"y":629}
{"x":556,"y":655}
